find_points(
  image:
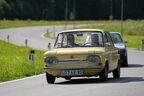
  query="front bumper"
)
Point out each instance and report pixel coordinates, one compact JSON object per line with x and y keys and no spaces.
{"x":74,"y":67}
{"x":87,"y":70}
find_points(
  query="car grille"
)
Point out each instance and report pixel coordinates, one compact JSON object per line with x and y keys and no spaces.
{"x":72,"y":60}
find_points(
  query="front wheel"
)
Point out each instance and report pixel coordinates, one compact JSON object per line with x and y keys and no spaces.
{"x":50,"y":79}
{"x":104,"y":74}
{"x":116,"y":72}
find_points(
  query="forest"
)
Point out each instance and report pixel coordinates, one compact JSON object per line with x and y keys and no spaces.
{"x":77,"y":9}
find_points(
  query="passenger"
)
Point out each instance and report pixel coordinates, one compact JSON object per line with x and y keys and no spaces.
{"x":95,"y":40}
{"x":71,"y":40}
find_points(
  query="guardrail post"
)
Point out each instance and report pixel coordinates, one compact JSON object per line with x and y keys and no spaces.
{"x":49,"y":46}
{"x":8,"y":38}
{"x":54,"y":34}
{"x":54,"y":31}
{"x":53,"y":28}
{"x":47,"y":30}
{"x":31,"y":57}
{"x":142,"y":45}
{"x":26,"y":42}
{"x":65,"y":27}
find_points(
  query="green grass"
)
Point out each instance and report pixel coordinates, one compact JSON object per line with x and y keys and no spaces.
{"x":134,"y":41}
{"x":15,"y":63}
{"x":48,"y":35}
{"x":24,"y":23}
{"x":131,"y":27}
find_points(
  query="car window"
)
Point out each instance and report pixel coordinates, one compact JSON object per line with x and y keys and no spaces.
{"x":64,"y":43}
{"x":109,"y":39}
{"x":105,"y":38}
{"x":59,"y":41}
{"x":100,"y":38}
{"x":116,"y":38}
{"x":80,"y":39}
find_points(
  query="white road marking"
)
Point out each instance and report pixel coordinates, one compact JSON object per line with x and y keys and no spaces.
{"x":42,"y":35}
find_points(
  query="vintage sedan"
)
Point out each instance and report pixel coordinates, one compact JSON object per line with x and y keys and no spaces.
{"x":82,"y":52}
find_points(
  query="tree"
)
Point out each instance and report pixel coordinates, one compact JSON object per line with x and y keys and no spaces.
{"x":55,"y":9}
{"x":2,"y":2}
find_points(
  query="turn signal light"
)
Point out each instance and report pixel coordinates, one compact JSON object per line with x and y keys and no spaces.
{"x":100,"y":63}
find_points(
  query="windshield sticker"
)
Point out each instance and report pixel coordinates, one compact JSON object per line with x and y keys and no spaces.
{"x":79,"y":34}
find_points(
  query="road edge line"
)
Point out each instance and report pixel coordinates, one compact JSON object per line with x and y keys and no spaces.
{"x":21,"y":79}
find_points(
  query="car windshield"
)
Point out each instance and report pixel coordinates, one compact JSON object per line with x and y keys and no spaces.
{"x":116,"y":38}
{"x":79,"y":39}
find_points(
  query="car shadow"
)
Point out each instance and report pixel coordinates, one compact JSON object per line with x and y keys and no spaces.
{"x":127,"y":80}
{"x":98,"y":81}
{"x":134,"y":66}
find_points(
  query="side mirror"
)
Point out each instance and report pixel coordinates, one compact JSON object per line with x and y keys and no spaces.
{"x":125,"y":41}
{"x":49,"y":46}
{"x":107,"y":44}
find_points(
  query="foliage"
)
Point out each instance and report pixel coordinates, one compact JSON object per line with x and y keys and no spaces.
{"x":28,"y":9}
{"x":15,"y":63}
{"x":84,"y":9}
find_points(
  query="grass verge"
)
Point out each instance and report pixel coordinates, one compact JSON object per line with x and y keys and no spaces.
{"x":24,"y":23}
{"x":48,"y":35}
{"x":15,"y":63}
{"x":134,"y":41}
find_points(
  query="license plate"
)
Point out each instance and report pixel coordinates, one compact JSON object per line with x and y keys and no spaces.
{"x":71,"y":72}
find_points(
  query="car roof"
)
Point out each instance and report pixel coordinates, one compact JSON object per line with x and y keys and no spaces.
{"x":115,"y":32}
{"x":74,"y":30}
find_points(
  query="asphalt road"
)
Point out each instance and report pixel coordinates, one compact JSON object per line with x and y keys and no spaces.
{"x":131,"y":82}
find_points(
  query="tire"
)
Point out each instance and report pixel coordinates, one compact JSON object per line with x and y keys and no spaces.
{"x":116,"y":72}
{"x":50,"y":79}
{"x":67,"y":78}
{"x":104,"y":74}
{"x":125,"y":62}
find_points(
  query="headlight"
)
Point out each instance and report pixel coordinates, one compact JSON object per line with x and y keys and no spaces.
{"x":51,"y":60}
{"x":94,"y":59}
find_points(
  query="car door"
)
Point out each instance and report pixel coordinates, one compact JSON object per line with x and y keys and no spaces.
{"x":113,"y":53}
{"x":108,"y":51}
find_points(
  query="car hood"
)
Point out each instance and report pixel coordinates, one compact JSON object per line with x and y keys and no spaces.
{"x":120,"y":45}
{"x":76,"y":50}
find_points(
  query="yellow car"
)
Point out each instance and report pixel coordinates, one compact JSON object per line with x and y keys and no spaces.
{"x":82,"y":52}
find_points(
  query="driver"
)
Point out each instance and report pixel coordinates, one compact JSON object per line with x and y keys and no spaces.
{"x":95,"y":40}
{"x":71,"y":40}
